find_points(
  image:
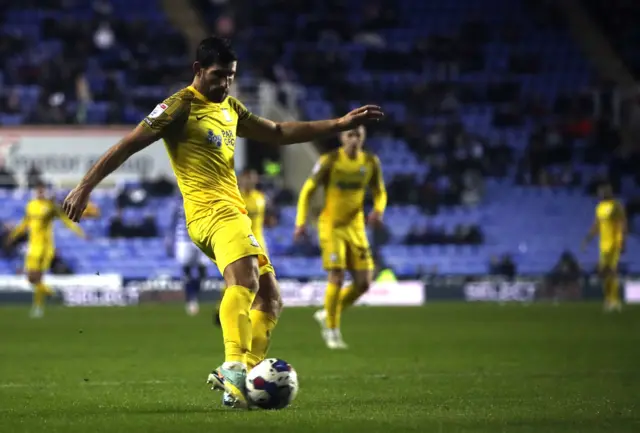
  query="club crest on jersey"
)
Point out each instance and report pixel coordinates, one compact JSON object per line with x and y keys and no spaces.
{"x":254,"y":241}
{"x":363,"y":169}
{"x":214,"y":139}
{"x":226,"y":115}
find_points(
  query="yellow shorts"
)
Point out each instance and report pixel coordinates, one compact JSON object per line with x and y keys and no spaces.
{"x":38,"y":259}
{"x":229,"y":239}
{"x":345,"y":248}
{"x":609,"y":259}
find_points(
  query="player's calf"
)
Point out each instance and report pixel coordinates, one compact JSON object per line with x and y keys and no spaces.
{"x":265,"y":312}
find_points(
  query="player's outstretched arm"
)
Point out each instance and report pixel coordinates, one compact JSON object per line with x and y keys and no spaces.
{"x":76,"y":202}
{"x":17,"y":231}
{"x":267,"y":131}
{"x":624,"y":225}
{"x":318,"y":176}
{"x":379,"y":193}
{"x":593,"y":231}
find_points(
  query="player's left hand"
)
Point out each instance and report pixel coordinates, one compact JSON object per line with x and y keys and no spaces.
{"x":75,"y":203}
{"x":374,"y":218}
{"x":360,"y":116}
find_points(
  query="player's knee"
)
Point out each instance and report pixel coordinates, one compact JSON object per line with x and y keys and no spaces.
{"x":33,"y":277}
{"x":363,"y":286}
{"x":336,"y":276}
{"x":243,"y":272}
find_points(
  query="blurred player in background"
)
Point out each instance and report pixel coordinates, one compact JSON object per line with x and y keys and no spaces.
{"x":611,"y":225}
{"x":92,"y":211}
{"x":345,"y":175}
{"x":256,"y":203}
{"x":199,"y":125}
{"x":39,"y":215}
{"x":193,"y":261}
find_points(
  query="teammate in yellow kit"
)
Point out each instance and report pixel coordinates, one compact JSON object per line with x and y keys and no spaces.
{"x":611,"y":225}
{"x":256,"y":203}
{"x":199,"y":125}
{"x":39,"y":215}
{"x":345,"y":174}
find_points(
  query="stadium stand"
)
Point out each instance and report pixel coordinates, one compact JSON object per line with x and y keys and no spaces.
{"x":489,"y":151}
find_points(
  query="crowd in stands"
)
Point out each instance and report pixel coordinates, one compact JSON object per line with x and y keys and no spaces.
{"x":104,"y":61}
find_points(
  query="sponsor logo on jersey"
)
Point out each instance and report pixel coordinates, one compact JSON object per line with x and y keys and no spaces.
{"x":214,"y":139}
{"x":160,"y":108}
{"x":228,"y":138}
{"x":254,"y":241}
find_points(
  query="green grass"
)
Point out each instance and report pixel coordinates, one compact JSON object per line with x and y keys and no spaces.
{"x":442,"y":368}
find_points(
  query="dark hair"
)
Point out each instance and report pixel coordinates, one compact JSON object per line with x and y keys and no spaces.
{"x":39,"y":184}
{"x":214,"y":50}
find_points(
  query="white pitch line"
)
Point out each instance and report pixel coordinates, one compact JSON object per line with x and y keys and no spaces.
{"x":417,"y":376}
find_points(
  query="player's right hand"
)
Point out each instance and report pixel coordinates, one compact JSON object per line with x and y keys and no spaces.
{"x":361,"y":116}
{"x":75,"y":203}
{"x":299,"y":233}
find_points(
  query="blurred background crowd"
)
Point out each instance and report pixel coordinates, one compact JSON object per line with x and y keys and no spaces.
{"x":503,"y":116}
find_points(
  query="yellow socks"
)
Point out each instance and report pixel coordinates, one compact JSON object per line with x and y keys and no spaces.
{"x":40,"y":292}
{"x":262,"y":325}
{"x":348,"y":297}
{"x":236,"y":323}
{"x":611,"y":290}
{"x":331,"y":297}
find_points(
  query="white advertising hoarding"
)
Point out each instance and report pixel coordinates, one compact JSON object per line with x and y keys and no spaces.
{"x":65,"y":154}
{"x":632,"y":292}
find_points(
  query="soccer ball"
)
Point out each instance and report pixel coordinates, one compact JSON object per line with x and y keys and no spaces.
{"x":272,"y":384}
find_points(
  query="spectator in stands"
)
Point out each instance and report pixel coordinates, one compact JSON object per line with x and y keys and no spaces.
{"x":7,"y":178}
{"x":117,"y":228}
{"x":563,"y":282}
{"x":467,"y":235}
{"x":34,"y":176}
{"x":160,"y":187}
{"x":10,"y":103}
{"x":147,"y":229}
{"x":503,"y":266}
{"x":59,"y":266}
{"x":132,"y":197}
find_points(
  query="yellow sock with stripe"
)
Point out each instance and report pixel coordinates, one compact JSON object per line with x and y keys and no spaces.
{"x":40,"y":292}
{"x":331,"y":300}
{"x":262,"y":325}
{"x":236,"y":323}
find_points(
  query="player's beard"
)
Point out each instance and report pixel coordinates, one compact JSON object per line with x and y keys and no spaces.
{"x":218,"y":94}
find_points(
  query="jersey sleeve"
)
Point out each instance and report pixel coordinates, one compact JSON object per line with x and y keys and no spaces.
{"x":377,"y":185}
{"x":170,"y":113}
{"x":322,"y":169}
{"x":240,"y":109}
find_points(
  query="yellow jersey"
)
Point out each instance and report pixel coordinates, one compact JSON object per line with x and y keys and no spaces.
{"x":256,"y":205}
{"x":200,"y":136}
{"x":39,"y":216}
{"x":345,"y":182}
{"x":610,"y":217}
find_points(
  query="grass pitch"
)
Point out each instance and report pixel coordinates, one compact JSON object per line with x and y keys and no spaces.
{"x":441,"y":368}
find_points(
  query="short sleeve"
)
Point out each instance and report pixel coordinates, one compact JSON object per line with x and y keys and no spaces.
{"x":240,"y":109}
{"x":322,"y":168}
{"x":168,"y":113}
